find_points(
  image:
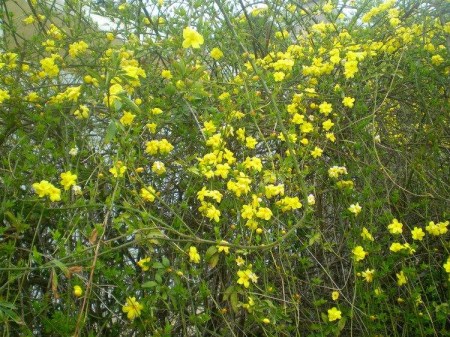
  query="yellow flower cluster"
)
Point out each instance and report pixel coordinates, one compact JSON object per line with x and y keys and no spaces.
{"x":44,"y":188}
{"x":162,"y":146}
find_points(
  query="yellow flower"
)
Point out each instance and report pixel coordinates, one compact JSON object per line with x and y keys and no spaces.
{"x":334,"y":295}
{"x":194,"y":256}
{"x":156,"y":111}
{"x":250,"y":142}
{"x":166,"y":74}
{"x":81,"y":112}
{"x":311,"y":199}
{"x":365,"y":234}
{"x":151,"y":127}
{"x":239,"y":261}
{"x":264,"y":213}
{"x":437,"y":229}
{"x":317,"y":152}
{"x":266,"y":320}
{"x":4,"y":95}
{"x":144,"y":263}
{"x":289,"y":203}
{"x":334,"y":314}
{"x":401,"y":278}
{"x":368,"y":275}
{"x":192,"y":38}
{"x":359,"y":253}
{"x":327,"y":125}
{"x":278,"y":76}
{"x":447,"y":266}
{"x":417,"y":233}
{"x":28,"y":20}
{"x":127,"y":118}
{"x":325,"y":108}
{"x":350,"y":68}
{"x":437,"y":59}
{"x":77,"y":48}
{"x":216,"y":54}
{"x":49,"y":68}
{"x":132,"y":308}
{"x":355,"y":208}
{"x":118,"y":170}
{"x":148,"y":193}
{"x":68,"y":179}
{"x":245,"y":276}
{"x":328,"y":7}
{"x":77,"y":291}
{"x":396,"y":247}
{"x":45,"y":188}
{"x":221,"y":248}
{"x":395,"y":227}
{"x":348,"y":102}
{"x":158,"y":167}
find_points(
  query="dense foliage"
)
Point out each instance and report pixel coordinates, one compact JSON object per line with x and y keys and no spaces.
{"x":224,"y":168}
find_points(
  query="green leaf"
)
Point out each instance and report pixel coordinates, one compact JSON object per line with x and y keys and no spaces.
{"x":158,"y":278}
{"x":130,"y":104}
{"x":213,"y":260}
{"x":61,"y":266}
{"x":110,"y":132}
{"x":158,"y":265}
{"x":149,"y":284}
{"x":234,"y":301}
{"x":165,"y":262}
{"x":210,"y":252}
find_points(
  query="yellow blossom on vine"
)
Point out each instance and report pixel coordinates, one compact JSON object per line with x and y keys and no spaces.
{"x":68,"y":179}
{"x":194,"y":256}
{"x":77,"y":48}
{"x":264,"y":213}
{"x":44,"y":188}
{"x":334,"y":314}
{"x":417,"y":233}
{"x":359,"y":253}
{"x":325,"y":108}
{"x":216,"y":54}
{"x":368,"y":275}
{"x":355,"y":208}
{"x":148,"y":193}
{"x":4,"y":95}
{"x":127,"y":118}
{"x":144,"y":263}
{"x":289,"y":203}
{"x":222,"y":248}
{"x":245,"y":277}
{"x":158,"y":167}
{"x":132,"y":308}
{"x":395,"y":227}
{"x":348,"y":101}
{"x":365,"y":234}
{"x":192,"y":38}
{"x":327,"y":125}
{"x":77,"y":291}
{"x":166,"y":74}
{"x":334,"y":295}
{"x":250,"y":142}
{"x":401,"y":278}
{"x":118,"y":170}
{"x":317,"y":152}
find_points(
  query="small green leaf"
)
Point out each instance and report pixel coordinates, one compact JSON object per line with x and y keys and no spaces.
{"x":212,"y":262}
{"x":110,"y":132}
{"x":210,"y":252}
{"x":234,"y":301}
{"x":158,"y":278}
{"x":149,"y":284}
{"x":158,"y":265}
